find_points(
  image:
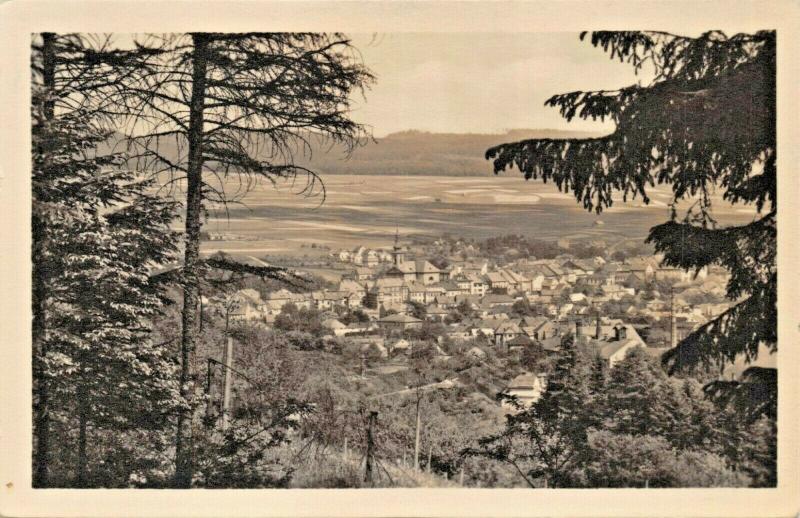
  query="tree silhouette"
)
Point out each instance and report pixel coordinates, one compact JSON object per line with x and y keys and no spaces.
{"x":706,"y":122}
{"x":97,"y":230}
{"x":237,"y":109}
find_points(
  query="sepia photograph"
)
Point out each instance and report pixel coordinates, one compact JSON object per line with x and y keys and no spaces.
{"x":403,"y":259}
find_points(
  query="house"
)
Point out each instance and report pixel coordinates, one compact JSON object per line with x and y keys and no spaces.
{"x":351,"y":286}
{"x":527,"y":388}
{"x":386,"y":291}
{"x":358,"y":255}
{"x":420,"y":271}
{"x":483,"y":309}
{"x":435,"y":313}
{"x":615,"y":349}
{"x":538,"y":328}
{"x":521,"y":341}
{"x":618,"y":272}
{"x":497,"y":282}
{"x":399,"y":322}
{"x":325,"y":300}
{"x":246,"y":305}
{"x":587,"y":265}
{"x":478,"y":285}
{"x":578,"y":267}
{"x":485,"y":327}
{"x":598,"y":279}
{"x":335,"y":326}
{"x":642,"y":268}
{"x":498,"y":299}
{"x":453,"y":289}
{"x":418,"y":292}
{"x":384,"y":256}
{"x":496,"y":312}
{"x":472,"y":267}
{"x":344,"y":256}
{"x":361,"y":273}
{"x":463,"y":282}
{"x":551,"y":346}
{"x":277,"y":299}
{"x":516,"y":281}
{"x":506,"y":332}
{"x":577,"y":297}
{"x":615,"y":291}
{"x":372,"y":259}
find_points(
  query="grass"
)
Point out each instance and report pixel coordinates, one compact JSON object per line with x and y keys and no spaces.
{"x":334,"y":469}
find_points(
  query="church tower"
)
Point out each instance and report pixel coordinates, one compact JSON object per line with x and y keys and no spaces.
{"x":398,"y":256}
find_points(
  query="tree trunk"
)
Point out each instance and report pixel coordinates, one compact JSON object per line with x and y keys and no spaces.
{"x":368,"y":469}
{"x":41,"y":410}
{"x":194,"y":202}
{"x":228,"y":384}
{"x":83,"y":417}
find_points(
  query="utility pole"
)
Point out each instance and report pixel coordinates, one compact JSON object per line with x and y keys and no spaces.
{"x":226,"y":399}
{"x":416,"y":438}
{"x":673,"y":324}
{"x":370,"y":448}
{"x":231,"y":304}
{"x":209,"y":363}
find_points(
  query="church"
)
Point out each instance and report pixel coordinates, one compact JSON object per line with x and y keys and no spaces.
{"x":419,"y":270}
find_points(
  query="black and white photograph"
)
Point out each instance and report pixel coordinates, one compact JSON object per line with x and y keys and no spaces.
{"x":370,"y":259}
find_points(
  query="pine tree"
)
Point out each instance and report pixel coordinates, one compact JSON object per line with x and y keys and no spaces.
{"x":548,"y":440}
{"x":97,"y":232}
{"x":240,"y":107}
{"x":706,"y":121}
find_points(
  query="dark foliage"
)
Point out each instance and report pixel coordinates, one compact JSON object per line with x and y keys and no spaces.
{"x":706,"y":122}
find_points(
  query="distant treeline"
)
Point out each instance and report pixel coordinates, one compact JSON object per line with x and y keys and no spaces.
{"x":405,"y":153}
{"x":422,"y":153}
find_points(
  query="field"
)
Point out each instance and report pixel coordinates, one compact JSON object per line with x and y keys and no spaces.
{"x":366,"y":210}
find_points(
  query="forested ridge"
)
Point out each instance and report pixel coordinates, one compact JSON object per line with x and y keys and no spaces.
{"x":409,"y":152}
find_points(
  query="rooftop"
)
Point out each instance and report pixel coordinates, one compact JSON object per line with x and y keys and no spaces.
{"x":399,"y":318}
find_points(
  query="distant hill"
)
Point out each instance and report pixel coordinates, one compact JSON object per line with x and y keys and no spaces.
{"x":412,"y":153}
{"x":421,"y":153}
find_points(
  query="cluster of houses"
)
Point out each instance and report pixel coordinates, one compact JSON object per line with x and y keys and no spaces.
{"x":391,"y":286}
{"x":561,"y":289}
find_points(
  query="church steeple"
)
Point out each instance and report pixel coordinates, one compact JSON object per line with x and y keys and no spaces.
{"x":398,"y":257}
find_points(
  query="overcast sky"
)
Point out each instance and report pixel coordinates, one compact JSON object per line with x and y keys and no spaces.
{"x":479,"y":83}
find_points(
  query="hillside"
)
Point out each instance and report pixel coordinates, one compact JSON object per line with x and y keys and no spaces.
{"x":421,"y":153}
{"x":410,"y":153}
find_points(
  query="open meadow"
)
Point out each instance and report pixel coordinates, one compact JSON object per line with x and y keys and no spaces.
{"x":367,"y":209}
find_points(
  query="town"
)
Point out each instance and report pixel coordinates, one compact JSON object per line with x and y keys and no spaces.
{"x":388,"y":299}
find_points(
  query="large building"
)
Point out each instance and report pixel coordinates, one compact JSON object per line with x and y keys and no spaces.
{"x":399,"y":322}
